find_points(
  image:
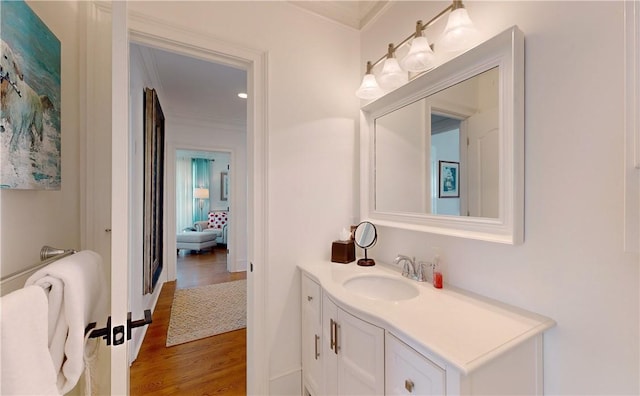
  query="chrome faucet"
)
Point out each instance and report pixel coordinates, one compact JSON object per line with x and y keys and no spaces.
{"x":409,"y":266}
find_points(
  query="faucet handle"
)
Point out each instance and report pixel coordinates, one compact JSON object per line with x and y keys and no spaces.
{"x":422,"y":271}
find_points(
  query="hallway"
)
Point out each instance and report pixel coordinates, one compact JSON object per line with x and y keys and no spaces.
{"x":209,"y":366}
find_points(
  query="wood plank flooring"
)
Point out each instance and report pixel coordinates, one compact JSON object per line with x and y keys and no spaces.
{"x":210,"y":366}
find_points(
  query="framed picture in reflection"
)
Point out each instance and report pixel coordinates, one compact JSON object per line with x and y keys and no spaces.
{"x":449,"y":179}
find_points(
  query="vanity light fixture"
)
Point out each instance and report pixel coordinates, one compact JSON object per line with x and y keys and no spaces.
{"x":459,"y":31}
{"x":392,"y":75}
{"x":420,"y":56}
{"x":458,"y":34}
{"x":369,"y":89}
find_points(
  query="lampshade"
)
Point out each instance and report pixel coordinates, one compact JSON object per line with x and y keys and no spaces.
{"x":459,"y":32}
{"x":369,"y":89}
{"x":420,"y":56}
{"x":392,"y":76}
{"x":202,"y":193}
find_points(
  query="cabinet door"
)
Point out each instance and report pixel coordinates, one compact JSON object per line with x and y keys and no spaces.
{"x":330,"y":356}
{"x":360,"y":356}
{"x":354,"y":353}
{"x":410,"y":373}
{"x":311,"y":335}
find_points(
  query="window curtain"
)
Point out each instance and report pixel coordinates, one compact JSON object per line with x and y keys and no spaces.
{"x":184,"y":194}
{"x":201,"y":176}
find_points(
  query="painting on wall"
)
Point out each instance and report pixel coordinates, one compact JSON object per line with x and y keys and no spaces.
{"x":153,"y":218}
{"x":449,"y":179}
{"x":30,"y":101}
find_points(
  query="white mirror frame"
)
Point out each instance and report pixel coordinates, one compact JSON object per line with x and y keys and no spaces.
{"x":506,"y":51}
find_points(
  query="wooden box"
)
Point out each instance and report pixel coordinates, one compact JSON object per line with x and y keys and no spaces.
{"x":343,"y":252}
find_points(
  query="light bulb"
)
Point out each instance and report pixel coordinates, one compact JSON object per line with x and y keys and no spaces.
{"x":459,"y":32}
{"x":420,"y":56}
{"x":392,"y":76}
{"x":369,"y":89}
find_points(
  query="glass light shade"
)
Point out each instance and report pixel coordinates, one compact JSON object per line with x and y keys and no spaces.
{"x":369,"y":89}
{"x":459,"y":32}
{"x":392,"y":76}
{"x":420,"y":56}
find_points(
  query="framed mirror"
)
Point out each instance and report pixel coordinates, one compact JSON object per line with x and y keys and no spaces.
{"x":445,"y":152}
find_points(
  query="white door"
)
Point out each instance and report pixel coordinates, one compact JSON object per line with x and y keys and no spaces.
{"x":483,"y":160}
{"x":120,"y":192}
{"x":330,"y":355}
{"x":312,"y":352}
{"x":360,"y":356}
{"x":106,"y":188}
{"x":354,"y":353}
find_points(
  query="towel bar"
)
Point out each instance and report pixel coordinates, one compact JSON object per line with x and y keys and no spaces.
{"x":48,"y":255}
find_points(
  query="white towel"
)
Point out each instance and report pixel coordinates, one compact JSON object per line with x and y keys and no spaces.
{"x":26,"y":367}
{"x":77,"y":296}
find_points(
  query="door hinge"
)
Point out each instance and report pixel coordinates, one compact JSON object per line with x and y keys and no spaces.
{"x":251,"y":267}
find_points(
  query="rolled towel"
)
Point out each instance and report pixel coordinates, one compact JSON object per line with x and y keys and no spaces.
{"x":77,"y":296}
{"x":26,"y":366}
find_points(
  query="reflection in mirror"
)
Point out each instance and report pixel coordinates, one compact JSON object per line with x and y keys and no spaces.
{"x":365,"y":237}
{"x":457,"y":125}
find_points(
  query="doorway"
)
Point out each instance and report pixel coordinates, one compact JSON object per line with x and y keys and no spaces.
{"x":241,"y":162}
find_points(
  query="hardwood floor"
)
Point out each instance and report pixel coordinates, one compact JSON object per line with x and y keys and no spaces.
{"x":209,"y":366}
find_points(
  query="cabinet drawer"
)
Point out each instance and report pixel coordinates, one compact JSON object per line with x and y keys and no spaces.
{"x":311,"y":296}
{"x":409,"y":373}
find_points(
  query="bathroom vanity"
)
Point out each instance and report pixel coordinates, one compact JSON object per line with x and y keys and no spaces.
{"x":368,"y":330}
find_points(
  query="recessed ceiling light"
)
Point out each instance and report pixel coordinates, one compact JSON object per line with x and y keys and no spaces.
{"x":242,"y":95}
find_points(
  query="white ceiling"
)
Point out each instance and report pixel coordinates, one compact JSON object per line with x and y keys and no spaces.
{"x":351,"y":13}
{"x":197,"y":90}
{"x":206,"y":92}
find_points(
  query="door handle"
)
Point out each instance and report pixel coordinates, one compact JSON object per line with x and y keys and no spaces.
{"x":317,"y":338}
{"x":332,"y":330}
{"x":334,"y":336}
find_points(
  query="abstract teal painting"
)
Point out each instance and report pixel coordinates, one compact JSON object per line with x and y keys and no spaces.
{"x":30,"y":151}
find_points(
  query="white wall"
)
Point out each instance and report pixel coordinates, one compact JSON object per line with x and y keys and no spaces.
{"x":138,"y":301}
{"x":572,"y":266}
{"x":30,"y":219}
{"x":402,"y":160}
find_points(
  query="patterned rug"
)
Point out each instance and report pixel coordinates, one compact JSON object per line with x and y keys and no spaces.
{"x":205,"y":311}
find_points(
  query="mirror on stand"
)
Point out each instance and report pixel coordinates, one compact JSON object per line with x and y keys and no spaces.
{"x":365,"y":237}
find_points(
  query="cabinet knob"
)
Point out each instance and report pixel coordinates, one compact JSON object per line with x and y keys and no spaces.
{"x":309,"y":298}
{"x":408,"y":385}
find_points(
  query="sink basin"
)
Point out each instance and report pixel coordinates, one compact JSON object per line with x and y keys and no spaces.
{"x":378,"y":287}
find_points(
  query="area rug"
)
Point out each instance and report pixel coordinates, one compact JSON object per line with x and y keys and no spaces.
{"x":205,"y":311}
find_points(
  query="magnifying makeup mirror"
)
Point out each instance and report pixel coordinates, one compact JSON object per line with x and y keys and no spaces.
{"x":365,"y":237}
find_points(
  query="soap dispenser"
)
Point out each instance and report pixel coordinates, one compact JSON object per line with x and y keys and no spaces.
{"x":437,"y":273}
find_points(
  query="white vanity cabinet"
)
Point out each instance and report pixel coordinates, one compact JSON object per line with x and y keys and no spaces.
{"x":354,"y":353}
{"x":438,"y":342}
{"x":410,"y":373}
{"x":312,"y":352}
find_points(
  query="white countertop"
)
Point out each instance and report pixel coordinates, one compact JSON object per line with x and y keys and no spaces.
{"x":462,"y":329}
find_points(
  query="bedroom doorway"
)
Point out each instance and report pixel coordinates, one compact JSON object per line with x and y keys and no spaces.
{"x":203,"y":199}
{"x":207,"y":170}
